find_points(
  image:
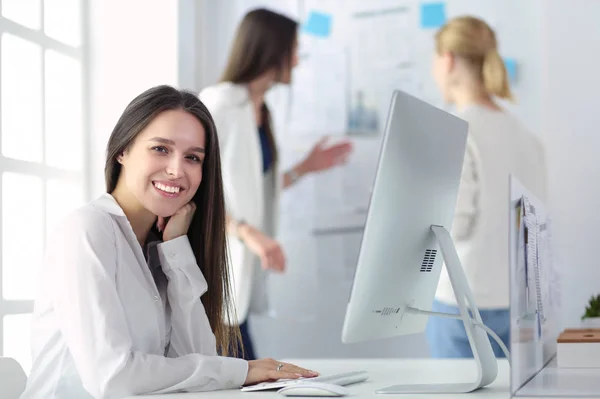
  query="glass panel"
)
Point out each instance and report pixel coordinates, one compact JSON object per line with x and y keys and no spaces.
{"x":21,"y":84}
{"x":16,"y":342}
{"x":22,"y":234}
{"x":64,"y":141}
{"x":24,"y":12}
{"x":62,"y":20}
{"x":62,"y":197}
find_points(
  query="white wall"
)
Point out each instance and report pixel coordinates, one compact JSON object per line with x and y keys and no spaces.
{"x":216,"y":23}
{"x":571,"y":123}
{"x":133,"y":46}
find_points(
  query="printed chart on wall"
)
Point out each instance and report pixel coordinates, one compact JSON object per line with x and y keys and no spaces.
{"x":382,"y":60}
{"x":373,"y":48}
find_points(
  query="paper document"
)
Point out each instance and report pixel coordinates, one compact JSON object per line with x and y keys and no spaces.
{"x":520,"y":277}
{"x":383,"y":58}
{"x":535,"y":296}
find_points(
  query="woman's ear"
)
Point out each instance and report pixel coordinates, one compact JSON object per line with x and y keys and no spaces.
{"x":120,"y":157}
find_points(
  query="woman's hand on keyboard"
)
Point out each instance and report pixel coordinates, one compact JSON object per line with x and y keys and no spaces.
{"x":264,"y":370}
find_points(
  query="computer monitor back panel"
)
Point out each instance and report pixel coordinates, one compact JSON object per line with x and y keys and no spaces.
{"x":416,"y":186}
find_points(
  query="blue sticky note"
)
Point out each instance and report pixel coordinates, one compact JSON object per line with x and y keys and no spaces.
{"x":433,"y":15}
{"x":318,"y":24}
{"x":511,"y":69}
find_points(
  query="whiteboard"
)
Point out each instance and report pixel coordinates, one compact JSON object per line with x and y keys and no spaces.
{"x":343,"y":84}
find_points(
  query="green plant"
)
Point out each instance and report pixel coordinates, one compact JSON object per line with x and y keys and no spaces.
{"x":593,"y":308}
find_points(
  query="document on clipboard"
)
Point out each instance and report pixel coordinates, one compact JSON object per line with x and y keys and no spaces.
{"x":521,"y":281}
{"x":531,"y":234}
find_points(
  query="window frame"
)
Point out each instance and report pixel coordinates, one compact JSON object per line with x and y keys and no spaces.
{"x":40,"y":169}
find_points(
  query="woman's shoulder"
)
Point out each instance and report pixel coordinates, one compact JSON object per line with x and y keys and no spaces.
{"x":223,"y":96}
{"x":86,"y":236}
{"x":92,"y":218}
{"x":485,"y":119}
{"x":503,"y":132}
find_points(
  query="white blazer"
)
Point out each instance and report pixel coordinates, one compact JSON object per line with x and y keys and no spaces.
{"x":241,"y":157}
{"x":107,"y":324}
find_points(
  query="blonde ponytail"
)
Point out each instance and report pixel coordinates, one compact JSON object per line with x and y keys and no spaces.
{"x":495,"y":77}
{"x":473,"y":40}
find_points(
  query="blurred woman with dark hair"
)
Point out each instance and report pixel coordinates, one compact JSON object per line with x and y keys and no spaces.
{"x":264,"y":52}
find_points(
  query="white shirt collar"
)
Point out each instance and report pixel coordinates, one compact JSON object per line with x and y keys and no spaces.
{"x":109,"y":204}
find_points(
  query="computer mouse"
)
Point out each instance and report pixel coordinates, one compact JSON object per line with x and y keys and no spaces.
{"x":314,"y":388}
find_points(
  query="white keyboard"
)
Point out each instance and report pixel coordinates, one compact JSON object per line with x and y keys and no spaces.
{"x":338,"y":379}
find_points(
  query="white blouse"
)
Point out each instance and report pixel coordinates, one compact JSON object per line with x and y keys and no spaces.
{"x":498,"y":146}
{"x":108,"y":325}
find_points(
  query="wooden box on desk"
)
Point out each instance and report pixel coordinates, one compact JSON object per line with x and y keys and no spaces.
{"x":579,"y":348}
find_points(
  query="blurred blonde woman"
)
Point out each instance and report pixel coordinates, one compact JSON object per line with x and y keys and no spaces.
{"x":471,"y":75}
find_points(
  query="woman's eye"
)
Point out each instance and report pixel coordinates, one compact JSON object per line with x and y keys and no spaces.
{"x":194,"y":158}
{"x":160,"y":148}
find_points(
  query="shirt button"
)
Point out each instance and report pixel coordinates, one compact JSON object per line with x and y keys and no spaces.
{"x":156,"y":298}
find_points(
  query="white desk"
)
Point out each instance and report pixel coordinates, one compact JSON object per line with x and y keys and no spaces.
{"x":557,"y":383}
{"x":383,"y":373}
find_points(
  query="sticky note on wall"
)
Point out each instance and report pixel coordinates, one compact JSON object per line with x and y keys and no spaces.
{"x":318,"y":24}
{"x":433,"y":15}
{"x":511,"y":69}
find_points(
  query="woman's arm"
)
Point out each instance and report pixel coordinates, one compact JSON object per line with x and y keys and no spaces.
{"x":267,"y":249}
{"x":320,"y":157}
{"x":294,"y":174}
{"x":92,"y":320}
{"x":191,"y":331}
{"x":235,"y":227}
{"x":468,"y":207}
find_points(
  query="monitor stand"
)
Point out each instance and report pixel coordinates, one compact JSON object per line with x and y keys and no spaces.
{"x":487,"y":366}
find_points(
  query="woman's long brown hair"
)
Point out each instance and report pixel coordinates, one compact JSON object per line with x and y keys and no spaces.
{"x":207,"y":230}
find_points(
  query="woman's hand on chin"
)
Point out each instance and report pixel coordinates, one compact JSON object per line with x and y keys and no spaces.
{"x":178,"y":224}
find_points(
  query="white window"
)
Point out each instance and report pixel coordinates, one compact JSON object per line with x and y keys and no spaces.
{"x":43,"y":140}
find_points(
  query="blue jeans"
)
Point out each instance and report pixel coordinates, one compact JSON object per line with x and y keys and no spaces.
{"x":447,"y":338}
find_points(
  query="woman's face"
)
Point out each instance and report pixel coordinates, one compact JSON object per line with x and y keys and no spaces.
{"x":286,"y":73}
{"x":162,"y":168}
{"x":440,"y":70}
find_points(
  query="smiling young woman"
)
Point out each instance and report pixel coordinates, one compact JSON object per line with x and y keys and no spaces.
{"x":135,"y":285}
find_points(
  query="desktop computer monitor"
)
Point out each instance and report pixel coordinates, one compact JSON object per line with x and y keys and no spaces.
{"x":406,"y":237}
